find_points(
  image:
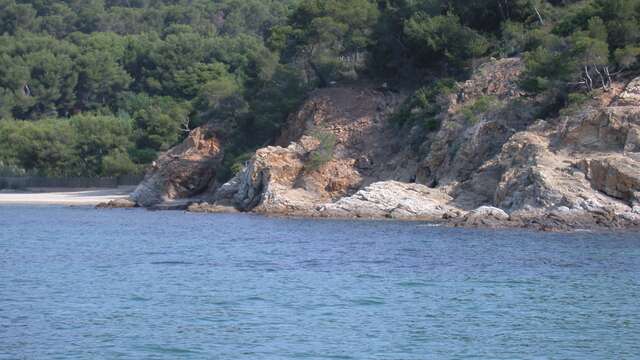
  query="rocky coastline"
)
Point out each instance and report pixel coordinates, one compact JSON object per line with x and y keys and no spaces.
{"x":505,"y":167}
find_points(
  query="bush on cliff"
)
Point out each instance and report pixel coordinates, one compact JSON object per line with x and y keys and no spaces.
{"x":324,"y":153}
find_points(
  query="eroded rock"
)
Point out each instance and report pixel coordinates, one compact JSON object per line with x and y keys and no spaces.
{"x":184,"y":171}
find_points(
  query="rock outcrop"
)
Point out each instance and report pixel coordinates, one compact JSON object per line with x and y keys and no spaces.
{"x":185,"y":171}
{"x":617,"y":176}
{"x":393,"y":200}
{"x":285,"y":179}
{"x":279,"y":181}
{"x":493,"y":165}
{"x":463,"y":144}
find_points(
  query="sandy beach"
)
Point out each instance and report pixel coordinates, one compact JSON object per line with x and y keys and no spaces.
{"x":64,"y":196}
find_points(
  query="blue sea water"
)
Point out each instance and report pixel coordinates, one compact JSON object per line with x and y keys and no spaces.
{"x":79,"y":283}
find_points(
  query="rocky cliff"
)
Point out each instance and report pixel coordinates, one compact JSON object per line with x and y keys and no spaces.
{"x":496,"y":165}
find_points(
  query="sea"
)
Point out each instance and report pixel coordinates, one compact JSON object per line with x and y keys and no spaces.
{"x":81,"y":283}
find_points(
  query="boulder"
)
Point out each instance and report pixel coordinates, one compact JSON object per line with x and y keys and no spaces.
{"x":485,"y":216}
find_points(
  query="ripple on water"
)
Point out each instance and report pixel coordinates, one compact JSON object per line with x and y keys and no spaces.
{"x":175,"y":286}
{"x":368,"y":301}
{"x":171,"y":263}
{"x":167,"y":350}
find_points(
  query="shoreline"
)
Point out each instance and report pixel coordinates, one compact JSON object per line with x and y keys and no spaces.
{"x":69,"y":197}
{"x":488,"y":218}
{"x":546,"y":221}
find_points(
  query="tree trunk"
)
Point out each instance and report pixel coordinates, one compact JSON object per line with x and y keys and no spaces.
{"x":606,"y":71}
{"x":539,"y":15}
{"x":588,"y":79}
{"x":604,"y":85}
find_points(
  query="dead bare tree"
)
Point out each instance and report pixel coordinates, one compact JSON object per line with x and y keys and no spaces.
{"x":185,"y":125}
{"x":605,"y":84}
{"x":587,"y":78}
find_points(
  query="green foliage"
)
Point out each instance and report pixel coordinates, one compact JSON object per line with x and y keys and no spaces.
{"x":119,"y":163}
{"x":443,"y":38}
{"x":574,"y":103}
{"x":425,"y":105}
{"x":328,"y":36}
{"x":627,"y":56}
{"x":82,"y":145}
{"x":96,"y":87}
{"x":474,"y":111}
{"x":47,"y":146}
{"x":158,"y":120}
{"x":324,"y":153}
{"x":546,"y":70}
{"x":97,"y":137}
{"x":142,"y":156}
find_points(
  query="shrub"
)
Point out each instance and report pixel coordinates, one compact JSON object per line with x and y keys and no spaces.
{"x":483,"y":104}
{"x":424,"y":105}
{"x":574,"y":102}
{"x":324,"y":153}
{"x":240,"y":161}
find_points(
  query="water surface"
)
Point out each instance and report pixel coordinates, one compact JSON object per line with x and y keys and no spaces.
{"x":79,"y":283}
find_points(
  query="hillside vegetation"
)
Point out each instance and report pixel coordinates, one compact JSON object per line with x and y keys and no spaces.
{"x":100,"y":87}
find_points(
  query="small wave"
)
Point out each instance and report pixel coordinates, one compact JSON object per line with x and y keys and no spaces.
{"x":322,"y":356}
{"x":429,"y":225}
{"x":411,"y":284}
{"x":368,"y":276}
{"x":368,"y":302}
{"x":169,"y":350}
{"x":171,"y":263}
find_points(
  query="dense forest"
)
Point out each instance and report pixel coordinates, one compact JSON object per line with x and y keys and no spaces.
{"x":100,"y":87}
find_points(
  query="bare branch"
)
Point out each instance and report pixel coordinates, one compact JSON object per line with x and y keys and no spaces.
{"x":539,"y":15}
